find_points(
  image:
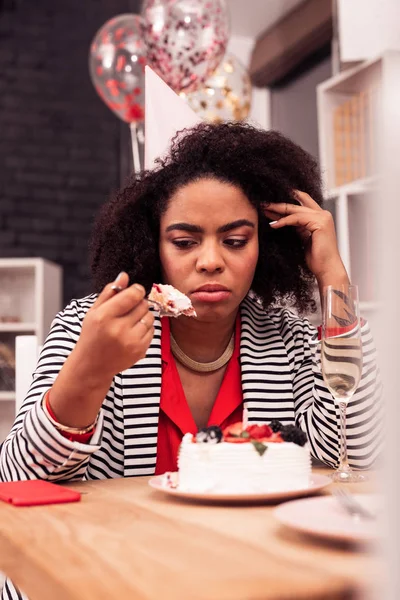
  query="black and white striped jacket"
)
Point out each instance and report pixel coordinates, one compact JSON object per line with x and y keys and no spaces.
{"x":281,"y":379}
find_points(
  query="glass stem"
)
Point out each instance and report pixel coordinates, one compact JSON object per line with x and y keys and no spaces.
{"x":343,"y":463}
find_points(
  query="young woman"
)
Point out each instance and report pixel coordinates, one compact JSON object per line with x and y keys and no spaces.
{"x":232,"y":218}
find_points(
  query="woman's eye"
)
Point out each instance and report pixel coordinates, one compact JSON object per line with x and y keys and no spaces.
{"x":235,"y":242}
{"x":183,"y":243}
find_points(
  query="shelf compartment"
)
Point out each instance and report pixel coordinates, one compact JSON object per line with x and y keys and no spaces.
{"x":7,"y":396}
{"x":352,"y":119}
{"x":17,"y":327}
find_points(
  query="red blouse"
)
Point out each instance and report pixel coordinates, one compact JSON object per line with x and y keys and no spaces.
{"x":175,"y":417}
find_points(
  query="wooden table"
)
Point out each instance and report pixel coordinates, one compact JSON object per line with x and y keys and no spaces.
{"x":126,"y":541}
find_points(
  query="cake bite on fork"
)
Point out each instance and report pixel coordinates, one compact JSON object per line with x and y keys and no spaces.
{"x":167,"y":300}
{"x":170,"y":302}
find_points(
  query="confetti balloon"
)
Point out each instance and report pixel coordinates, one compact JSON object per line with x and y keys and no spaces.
{"x":117,"y":60}
{"x":186,"y":39}
{"x":226,"y":95}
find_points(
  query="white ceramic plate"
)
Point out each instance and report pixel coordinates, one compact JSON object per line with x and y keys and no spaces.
{"x":317,"y":483}
{"x":325,"y":517}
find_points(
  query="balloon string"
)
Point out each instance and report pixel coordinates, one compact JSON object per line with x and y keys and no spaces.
{"x":135,"y":148}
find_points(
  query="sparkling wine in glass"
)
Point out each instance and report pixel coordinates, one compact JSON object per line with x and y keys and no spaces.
{"x":341,"y":357}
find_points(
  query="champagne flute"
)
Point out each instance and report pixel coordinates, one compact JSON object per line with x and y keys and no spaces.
{"x":341,"y":357}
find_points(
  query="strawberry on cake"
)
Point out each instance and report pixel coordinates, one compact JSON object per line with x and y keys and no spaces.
{"x":253,"y":459}
{"x":170,"y":302}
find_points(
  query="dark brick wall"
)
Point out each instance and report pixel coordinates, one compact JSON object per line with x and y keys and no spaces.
{"x":60,"y":145}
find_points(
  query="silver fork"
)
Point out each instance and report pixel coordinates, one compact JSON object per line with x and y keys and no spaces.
{"x":351,"y":505}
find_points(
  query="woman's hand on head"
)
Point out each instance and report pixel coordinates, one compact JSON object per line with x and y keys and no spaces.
{"x":117,"y":330}
{"x":316,"y":228}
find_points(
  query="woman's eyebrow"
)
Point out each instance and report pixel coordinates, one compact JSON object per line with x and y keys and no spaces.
{"x":235,"y":225}
{"x":185,"y":227}
{"x":197,"y":229}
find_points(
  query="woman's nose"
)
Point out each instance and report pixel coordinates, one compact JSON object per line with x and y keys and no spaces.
{"x":210,"y":259}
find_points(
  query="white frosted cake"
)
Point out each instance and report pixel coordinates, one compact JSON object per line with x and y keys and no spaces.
{"x":252,"y":460}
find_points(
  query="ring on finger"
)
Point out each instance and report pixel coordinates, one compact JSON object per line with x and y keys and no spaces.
{"x":116,"y":288}
{"x":286,"y":209}
{"x":143,"y":322}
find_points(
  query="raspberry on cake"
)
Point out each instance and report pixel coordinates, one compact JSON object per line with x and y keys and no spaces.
{"x":259,"y":432}
{"x":170,"y":302}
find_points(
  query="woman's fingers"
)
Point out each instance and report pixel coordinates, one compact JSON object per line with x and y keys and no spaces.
{"x":309,"y":220}
{"x":296,"y":221}
{"x":306,"y":200}
{"x":270,"y":214}
{"x":108,"y":292}
{"x":117,"y":299}
{"x":145,"y":326}
{"x":146,"y":341}
{"x":140,"y":334}
{"x":118,"y":329}
{"x":138,"y":322}
{"x":141,"y":315}
{"x":279,"y":209}
{"x":123,"y":302}
{"x":285,"y":208}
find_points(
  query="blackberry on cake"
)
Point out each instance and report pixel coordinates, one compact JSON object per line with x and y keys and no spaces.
{"x":276,"y":425}
{"x":209,"y":435}
{"x":291,"y":433}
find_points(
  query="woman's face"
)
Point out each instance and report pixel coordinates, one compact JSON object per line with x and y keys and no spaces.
{"x":209,"y":246}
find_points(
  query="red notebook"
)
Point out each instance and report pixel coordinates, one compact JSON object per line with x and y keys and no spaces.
{"x":36,"y":491}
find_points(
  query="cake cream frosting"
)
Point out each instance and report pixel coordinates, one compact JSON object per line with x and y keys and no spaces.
{"x":170,"y":301}
{"x":244,"y":466}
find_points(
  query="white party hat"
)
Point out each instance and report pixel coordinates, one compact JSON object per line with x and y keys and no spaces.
{"x":166,"y":114}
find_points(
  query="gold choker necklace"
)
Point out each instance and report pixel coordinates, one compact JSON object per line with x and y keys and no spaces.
{"x":201,"y":367}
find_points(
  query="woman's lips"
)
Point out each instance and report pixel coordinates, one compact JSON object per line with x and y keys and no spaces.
{"x":211,"y":296}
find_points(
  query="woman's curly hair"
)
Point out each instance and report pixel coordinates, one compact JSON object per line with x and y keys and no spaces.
{"x":265,"y":165}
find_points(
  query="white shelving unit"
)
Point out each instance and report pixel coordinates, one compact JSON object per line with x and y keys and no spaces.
{"x":353,"y":124}
{"x":30,"y":297}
